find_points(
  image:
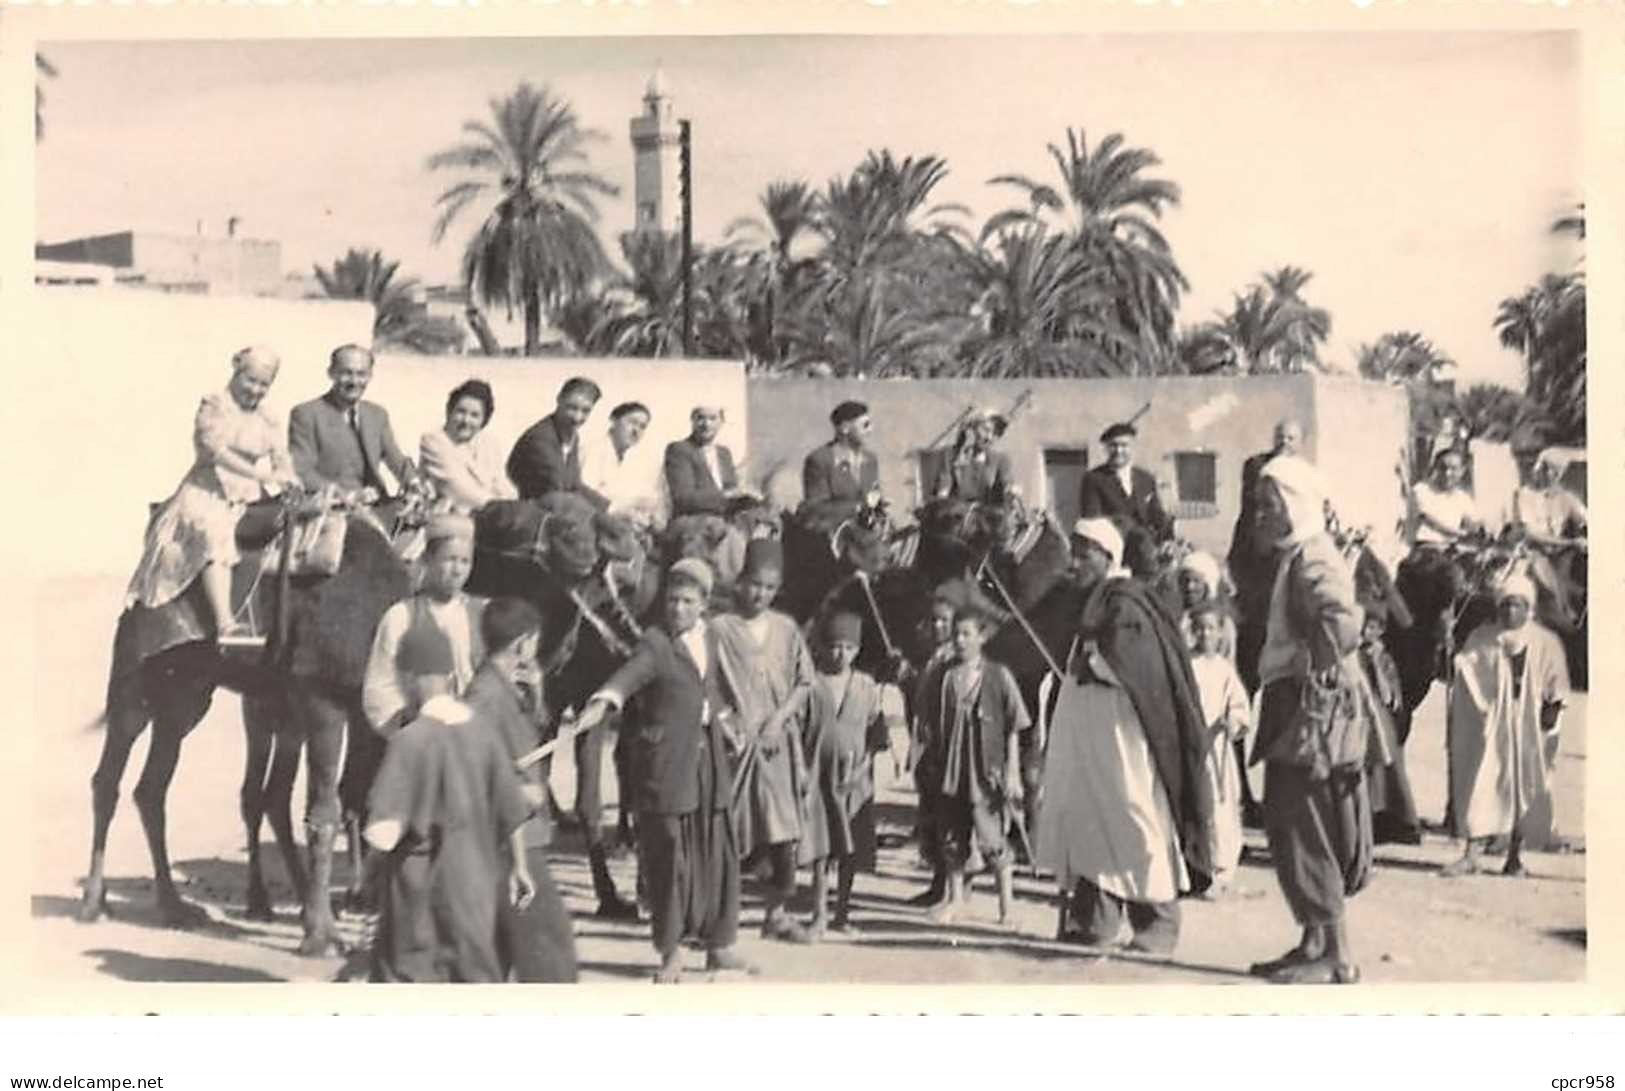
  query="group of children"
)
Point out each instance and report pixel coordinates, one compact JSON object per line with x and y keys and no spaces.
{"x":460,"y":833}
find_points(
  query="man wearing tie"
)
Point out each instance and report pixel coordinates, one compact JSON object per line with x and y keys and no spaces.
{"x":1122,"y":492}
{"x":842,"y":476}
{"x":700,"y":475}
{"x":339,"y":439}
{"x":547,"y":458}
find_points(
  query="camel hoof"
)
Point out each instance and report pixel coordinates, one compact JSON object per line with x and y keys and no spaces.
{"x":181,"y":914}
{"x":92,"y":907}
{"x":322,"y":945}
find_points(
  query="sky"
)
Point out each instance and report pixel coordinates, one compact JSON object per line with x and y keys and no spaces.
{"x":1414,"y":174}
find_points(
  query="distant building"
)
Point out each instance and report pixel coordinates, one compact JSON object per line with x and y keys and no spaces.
{"x":200,"y":264}
{"x":655,"y":137}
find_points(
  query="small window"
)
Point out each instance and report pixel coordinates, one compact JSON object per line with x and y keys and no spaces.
{"x":1196,"y":482}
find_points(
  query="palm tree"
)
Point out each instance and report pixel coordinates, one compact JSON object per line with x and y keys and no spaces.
{"x":1037,"y":302}
{"x":365,"y":274}
{"x":1546,"y":326}
{"x":788,"y":210}
{"x":1270,"y":327}
{"x":536,"y":245}
{"x":1112,"y":212}
{"x":43,"y":70}
{"x":649,"y":320}
{"x":1572,"y":222}
{"x":1403,"y":356}
{"x":1497,"y":413}
{"x":859,"y":331}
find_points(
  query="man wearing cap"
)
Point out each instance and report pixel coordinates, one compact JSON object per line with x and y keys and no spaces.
{"x":841,"y":477}
{"x":1127,"y":817}
{"x":773,"y":780}
{"x":977,"y":473}
{"x":1122,"y":492}
{"x":684,"y":700}
{"x":441,"y":605}
{"x":547,"y":457}
{"x":699,"y":471}
{"x":342,"y":440}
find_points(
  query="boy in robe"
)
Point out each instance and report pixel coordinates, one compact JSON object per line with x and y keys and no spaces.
{"x":939,"y":636}
{"x":1506,"y":705}
{"x":773,"y":779}
{"x":690,"y":689}
{"x":536,"y":941}
{"x":969,"y":712}
{"x":1227,"y":712}
{"x":845,"y":729}
{"x":444,"y":801}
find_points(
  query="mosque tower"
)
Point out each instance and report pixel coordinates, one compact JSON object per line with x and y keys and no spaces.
{"x":656,"y":167}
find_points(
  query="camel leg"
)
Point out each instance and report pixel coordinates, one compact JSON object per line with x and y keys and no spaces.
{"x":251,"y":800}
{"x":279,"y":808}
{"x":324,"y":724}
{"x":151,"y":793}
{"x":126,"y":720}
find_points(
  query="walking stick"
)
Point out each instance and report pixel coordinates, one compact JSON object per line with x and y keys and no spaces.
{"x":1021,"y":619}
{"x":874,"y":608}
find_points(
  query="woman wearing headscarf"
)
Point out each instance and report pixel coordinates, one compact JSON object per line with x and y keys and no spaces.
{"x":1506,"y":702}
{"x":1126,"y":824}
{"x":1313,"y":727}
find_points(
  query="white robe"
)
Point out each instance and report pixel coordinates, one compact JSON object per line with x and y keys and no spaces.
{"x":1105,"y":815}
{"x":1500,"y":759}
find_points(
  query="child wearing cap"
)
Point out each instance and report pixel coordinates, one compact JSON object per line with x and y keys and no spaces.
{"x":444,"y":802}
{"x":1226,"y":712}
{"x":969,"y":711}
{"x":536,"y":941}
{"x":439,"y":605}
{"x":845,"y":730}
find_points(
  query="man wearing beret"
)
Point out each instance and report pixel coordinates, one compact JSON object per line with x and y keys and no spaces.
{"x":843,"y":476}
{"x":686,"y":691}
{"x":1122,"y":492}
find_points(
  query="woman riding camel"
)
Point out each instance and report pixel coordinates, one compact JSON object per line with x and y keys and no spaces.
{"x":240,"y":457}
{"x":466,"y":471}
{"x":977,"y":473}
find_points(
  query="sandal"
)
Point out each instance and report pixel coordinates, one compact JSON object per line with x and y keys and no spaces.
{"x":1320,"y":971}
{"x":1294,"y":957}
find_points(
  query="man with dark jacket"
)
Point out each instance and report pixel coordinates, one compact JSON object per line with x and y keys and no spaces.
{"x":685,"y":687}
{"x":547,"y":457}
{"x":1122,"y":492}
{"x":839,"y":478}
{"x":340,"y":439}
{"x":1252,"y":561}
{"x":700,"y":474}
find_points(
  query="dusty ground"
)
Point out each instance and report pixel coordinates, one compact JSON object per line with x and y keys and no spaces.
{"x":1409,"y":926}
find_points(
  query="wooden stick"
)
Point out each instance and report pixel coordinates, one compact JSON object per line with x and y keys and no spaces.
{"x":1021,"y":620}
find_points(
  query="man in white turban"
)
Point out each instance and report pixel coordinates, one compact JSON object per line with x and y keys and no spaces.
{"x":1127,"y":815}
{"x":1506,"y":702}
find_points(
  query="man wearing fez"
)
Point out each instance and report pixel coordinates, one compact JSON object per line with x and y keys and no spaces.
{"x":842,"y":476}
{"x":547,"y":457}
{"x":700,"y":474}
{"x":690,"y":686}
{"x":977,"y":473}
{"x":340,"y":439}
{"x":1122,"y":492}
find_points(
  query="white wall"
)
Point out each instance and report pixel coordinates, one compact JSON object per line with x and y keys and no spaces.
{"x":107,"y":383}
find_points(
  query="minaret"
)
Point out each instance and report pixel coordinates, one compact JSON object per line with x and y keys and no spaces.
{"x":655,"y":172}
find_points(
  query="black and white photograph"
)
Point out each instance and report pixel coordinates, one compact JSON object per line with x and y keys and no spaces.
{"x":943,"y":510}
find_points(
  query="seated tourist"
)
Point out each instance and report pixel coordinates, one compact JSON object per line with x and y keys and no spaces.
{"x":239,"y":457}
{"x":465,"y":470}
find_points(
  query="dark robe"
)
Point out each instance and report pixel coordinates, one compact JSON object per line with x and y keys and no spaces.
{"x":1144,"y":646}
{"x":453,"y":791}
